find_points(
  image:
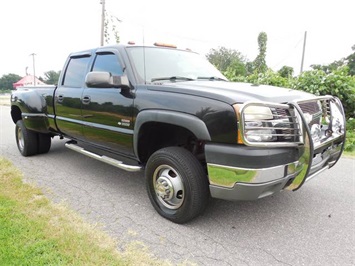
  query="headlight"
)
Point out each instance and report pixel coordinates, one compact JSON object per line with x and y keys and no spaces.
{"x":259,"y":132}
{"x":256,"y":130}
{"x":261,"y":124}
{"x":257,"y":113}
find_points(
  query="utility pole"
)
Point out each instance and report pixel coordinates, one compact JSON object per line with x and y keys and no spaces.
{"x":102,"y":22}
{"x":304,"y":50}
{"x":34,"y":69}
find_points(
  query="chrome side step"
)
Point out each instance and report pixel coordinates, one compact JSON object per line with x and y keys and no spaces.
{"x":105,"y":159}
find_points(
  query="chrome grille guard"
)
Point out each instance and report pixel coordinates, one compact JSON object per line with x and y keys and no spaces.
{"x":320,"y":135}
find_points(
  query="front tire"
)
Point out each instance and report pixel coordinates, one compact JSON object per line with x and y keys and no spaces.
{"x":177,"y":184}
{"x":27,"y":140}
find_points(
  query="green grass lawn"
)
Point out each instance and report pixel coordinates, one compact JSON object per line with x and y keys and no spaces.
{"x":34,"y":231}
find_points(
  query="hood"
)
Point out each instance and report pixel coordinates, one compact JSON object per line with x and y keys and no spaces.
{"x":232,"y":92}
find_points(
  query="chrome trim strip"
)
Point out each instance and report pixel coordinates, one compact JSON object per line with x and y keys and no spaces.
{"x":227,"y":176}
{"x":245,"y":191}
{"x":25,"y":115}
{"x":95,"y":125}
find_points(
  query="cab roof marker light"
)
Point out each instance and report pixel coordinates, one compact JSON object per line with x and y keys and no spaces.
{"x":165,"y":45}
{"x":131,"y":43}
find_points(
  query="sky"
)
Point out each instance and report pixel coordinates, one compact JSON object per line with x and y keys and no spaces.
{"x":54,"y":28}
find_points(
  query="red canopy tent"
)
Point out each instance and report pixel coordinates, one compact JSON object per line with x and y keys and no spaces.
{"x":27,"y":81}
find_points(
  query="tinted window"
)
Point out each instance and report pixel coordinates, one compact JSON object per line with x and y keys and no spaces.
{"x":108,"y":63}
{"x":76,"y":72}
{"x":163,"y":62}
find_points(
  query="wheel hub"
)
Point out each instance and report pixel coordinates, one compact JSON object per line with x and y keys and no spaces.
{"x":168,"y":187}
{"x":164,"y":188}
{"x":20,"y":139}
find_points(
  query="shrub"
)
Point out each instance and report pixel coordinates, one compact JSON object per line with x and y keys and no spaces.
{"x":337,"y":83}
{"x":350,"y":135}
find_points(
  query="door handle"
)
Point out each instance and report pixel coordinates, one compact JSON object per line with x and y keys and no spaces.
{"x":86,"y":100}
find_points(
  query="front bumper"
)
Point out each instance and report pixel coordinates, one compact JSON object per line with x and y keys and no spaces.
{"x":238,"y":172}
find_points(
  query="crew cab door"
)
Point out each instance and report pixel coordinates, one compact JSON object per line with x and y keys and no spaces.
{"x":68,"y":96}
{"x":107,"y":112}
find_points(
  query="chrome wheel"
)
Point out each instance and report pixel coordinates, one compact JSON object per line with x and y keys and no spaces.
{"x":168,"y":187}
{"x":20,"y":139}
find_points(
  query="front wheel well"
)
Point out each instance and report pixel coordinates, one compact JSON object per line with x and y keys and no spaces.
{"x":15,"y":114}
{"x":154,"y":136}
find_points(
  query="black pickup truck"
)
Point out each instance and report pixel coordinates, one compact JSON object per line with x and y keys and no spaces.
{"x":172,"y":114}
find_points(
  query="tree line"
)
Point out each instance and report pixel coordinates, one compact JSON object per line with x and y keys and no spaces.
{"x":50,"y":77}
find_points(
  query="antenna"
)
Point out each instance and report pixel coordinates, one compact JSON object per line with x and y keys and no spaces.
{"x":145,"y":75}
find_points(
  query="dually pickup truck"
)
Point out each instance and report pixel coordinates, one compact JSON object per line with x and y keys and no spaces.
{"x":196,"y":135}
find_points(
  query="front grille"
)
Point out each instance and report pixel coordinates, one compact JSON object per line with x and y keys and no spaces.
{"x":310,"y":107}
{"x":314,"y":109}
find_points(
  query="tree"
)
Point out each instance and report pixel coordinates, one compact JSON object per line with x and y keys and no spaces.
{"x":348,"y":61}
{"x":51,"y":77}
{"x":260,"y":61}
{"x":6,"y":81}
{"x":286,"y":72}
{"x":331,"y":67}
{"x":222,"y":58}
{"x":351,"y":62}
{"x":110,"y":28}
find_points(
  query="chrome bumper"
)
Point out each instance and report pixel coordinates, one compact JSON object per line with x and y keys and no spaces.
{"x":250,"y":183}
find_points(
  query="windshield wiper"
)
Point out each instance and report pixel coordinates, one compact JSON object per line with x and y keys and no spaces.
{"x":212,"y":78}
{"x":173,"y":78}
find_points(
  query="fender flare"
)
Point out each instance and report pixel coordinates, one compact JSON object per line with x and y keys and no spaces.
{"x":190,"y":122}
{"x":30,"y":106}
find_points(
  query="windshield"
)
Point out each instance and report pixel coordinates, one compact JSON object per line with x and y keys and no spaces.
{"x":170,"y":64}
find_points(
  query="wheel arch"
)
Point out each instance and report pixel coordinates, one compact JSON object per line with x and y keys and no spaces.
{"x":15,"y":113}
{"x":184,"y":124}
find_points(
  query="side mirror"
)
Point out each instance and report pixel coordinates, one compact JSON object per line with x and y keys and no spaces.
{"x":98,"y":79}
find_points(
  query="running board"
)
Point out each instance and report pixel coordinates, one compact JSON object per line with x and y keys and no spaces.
{"x":105,"y":159}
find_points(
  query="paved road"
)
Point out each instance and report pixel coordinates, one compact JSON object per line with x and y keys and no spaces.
{"x":314,"y":226}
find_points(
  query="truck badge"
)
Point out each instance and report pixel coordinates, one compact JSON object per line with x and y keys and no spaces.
{"x":124,"y":123}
